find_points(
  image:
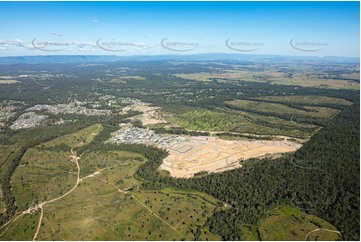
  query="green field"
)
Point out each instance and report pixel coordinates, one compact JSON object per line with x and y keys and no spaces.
{"x":42,"y":175}
{"x":22,"y":228}
{"x":97,"y":211}
{"x":287,"y":223}
{"x":314,"y":100}
{"x":316,"y":82}
{"x":281,"y":109}
{"x":206,"y":120}
{"x":76,"y":139}
{"x":273,"y":115}
{"x":269,"y":125}
{"x":107,"y":203}
{"x":125,"y":79}
{"x":46,"y":171}
{"x":228,"y":120}
{"x":273,"y":77}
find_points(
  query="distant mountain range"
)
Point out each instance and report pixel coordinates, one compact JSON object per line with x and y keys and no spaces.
{"x":49,"y":59}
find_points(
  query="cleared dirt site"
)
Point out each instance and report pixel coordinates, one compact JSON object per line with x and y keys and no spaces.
{"x":213,"y":154}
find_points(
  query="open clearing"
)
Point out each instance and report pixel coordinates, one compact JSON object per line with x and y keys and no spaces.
{"x":150,"y":114}
{"x":274,"y":77}
{"x":189,"y":155}
{"x":93,"y":196}
{"x":8,"y":81}
{"x":230,"y":120}
{"x":298,"y":116}
{"x":275,"y":108}
{"x":287,"y":223}
{"x":125,"y":79}
{"x":105,"y":204}
{"x":76,"y":139}
{"x":212,"y":154}
{"x":310,"y":99}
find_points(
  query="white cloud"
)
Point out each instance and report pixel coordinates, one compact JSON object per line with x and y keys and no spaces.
{"x":142,"y":45}
{"x":95,"y":21}
{"x":56,"y":34}
{"x":4,"y":48}
{"x":15,"y":42}
{"x":83,"y":46}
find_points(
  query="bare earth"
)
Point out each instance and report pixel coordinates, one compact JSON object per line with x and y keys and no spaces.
{"x":216,"y":155}
{"x":150,"y":113}
{"x":8,"y":81}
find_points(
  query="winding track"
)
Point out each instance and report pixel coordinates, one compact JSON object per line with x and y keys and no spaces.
{"x":40,"y":205}
{"x":75,"y":160}
{"x":319,"y":229}
{"x":33,"y":209}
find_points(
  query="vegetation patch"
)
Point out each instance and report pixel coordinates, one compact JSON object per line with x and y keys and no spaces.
{"x":76,"y":139}
{"x":281,"y":109}
{"x":21,"y":229}
{"x":308,"y":100}
{"x":107,"y":204}
{"x":290,"y":224}
{"x":228,"y":120}
{"x":275,"y":77}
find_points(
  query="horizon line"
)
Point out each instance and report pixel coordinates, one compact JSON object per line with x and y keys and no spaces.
{"x":184,"y":55}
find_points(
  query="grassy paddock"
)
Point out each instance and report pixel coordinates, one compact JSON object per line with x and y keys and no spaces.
{"x":228,"y":120}
{"x":107,"y":204}
{"x":287,"y":223}
{"x":311,"y":99}
{"x":76,"y":139}
{"x":281,"y":109}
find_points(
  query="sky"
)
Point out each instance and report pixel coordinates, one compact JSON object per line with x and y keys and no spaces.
{"x":157,"y":28}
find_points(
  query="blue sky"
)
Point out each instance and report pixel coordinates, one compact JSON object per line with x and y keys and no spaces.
{"x":148,"y":28}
